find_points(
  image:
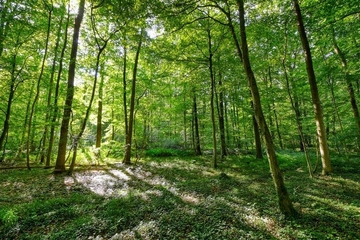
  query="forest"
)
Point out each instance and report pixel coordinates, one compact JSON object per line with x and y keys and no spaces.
{"x":179,"y":119}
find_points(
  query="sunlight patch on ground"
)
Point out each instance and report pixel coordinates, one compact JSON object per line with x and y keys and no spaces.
{"x":143,"y":229}
{"x":340,"y":206}
{"x":161,"y":181}
{"x":119,"y":174}
{"x":248,"y":213}
{"x":101,"y":182}
{"x":178,"y":164}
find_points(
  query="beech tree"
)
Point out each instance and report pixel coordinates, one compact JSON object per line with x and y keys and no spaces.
{"x":60,"y":161}
{"x":320,"y":125}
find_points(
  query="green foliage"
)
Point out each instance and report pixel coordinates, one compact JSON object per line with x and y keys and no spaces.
{"x":8,"y":218}
{"x":181,"y":198}
{"x":167,"y":152}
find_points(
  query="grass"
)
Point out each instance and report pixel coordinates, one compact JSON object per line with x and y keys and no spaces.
{"x":181,"y":198}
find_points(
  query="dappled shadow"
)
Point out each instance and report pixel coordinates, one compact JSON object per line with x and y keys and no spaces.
{"x":182,"y":199}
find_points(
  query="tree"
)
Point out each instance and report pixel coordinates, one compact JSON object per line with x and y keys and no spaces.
{"x":37,"y":93}
{"x":285,"y":203}
{"x":128,"y":142}
{"x":60,"y":161}
{"x":320,"y":126}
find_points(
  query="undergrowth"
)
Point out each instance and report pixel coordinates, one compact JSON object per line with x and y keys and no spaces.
{"x":183,"y":197}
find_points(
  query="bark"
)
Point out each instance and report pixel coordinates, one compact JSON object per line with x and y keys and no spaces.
{"x":32,"y":109}
{"x":124,"y":96}
{"x":23,"y":135}
{"x":6,"y":123}
{"x":285,"y":203}
{"x":257,"y":137}
{"x":258,"y":149}
{"x":275,"y":114}
{"x":88,"y":109}
{"x":221,"y":118}
{"x":320,"y":126}
{"x":212,"y":94}
{"x":99,"y":115}
{"x":196,"y":135}
{"x":127,"y":155}
{"x":51,"y":84}
{"x":60,"y":161}
{"x":56,"y":95}
{"x":185,"y":123}
{"x":297,"y":117}
{"x":350,"y":87}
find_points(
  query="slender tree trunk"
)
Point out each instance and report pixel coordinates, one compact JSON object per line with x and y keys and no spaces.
{"x":350,"y":87}
{"x":221,"y":117}
{"x":60,"y":161}
{"x":196,"y":135}
{"x":257,"y":137}
{"x":8,"y":108}
{"x":227,"y":124}
{"x":212,"y":95}
{"x":124,"y":96}
{"x":297,"y":115}
{"x":185,"y":123}
{"x":51,"y":84}
{"x":99,"y":115}
{"x":320,"y":126}
{"x":336,"y":115}
{"x":285,"y":203}
{"x":32,"y":109}
{"x":258,"y":148}
{"x":56,"y":95}
{"x":23,"y":135}
{"x":127,"y":155}
{"x":275,"y":114}
{"x":88,"y":109}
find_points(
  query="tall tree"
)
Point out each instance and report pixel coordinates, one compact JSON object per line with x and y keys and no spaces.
{"x":32,"y":109}
{"x":128,"y":142}
{"x":350,"y":87}
{"x":285,"y":203}
{"x":320,"y":126}
{"x":55,"y":108}
{"x":60,"y":161}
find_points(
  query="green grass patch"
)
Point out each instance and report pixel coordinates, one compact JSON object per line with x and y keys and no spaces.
{"x":181,"y":197}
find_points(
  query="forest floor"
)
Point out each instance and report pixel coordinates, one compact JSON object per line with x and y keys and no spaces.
{"x":181,"y":198}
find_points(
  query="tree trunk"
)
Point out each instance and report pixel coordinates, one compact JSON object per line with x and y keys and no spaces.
{"x":257,"y":137}
{"x":56,"y":95}
{"x":127,"y":155}
{"x":51,"y":83}
{"x":285,"y":203}
{"x":124,"y":96}
{"x":32,"y":109}
{"x":221,"y":117}
{"x":8,"y":108}
{"x":196,"y":135}
{"x":350,"y":87}
{"x":320,"y":126}
{"x":295,"y":107}
{"x":99,"y":114}
{"x":60,"y":161}
{"x":258,"y":149}
{"x":212,"y":94}
{"x":88,"y":109}
{"x":275,"y":114}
